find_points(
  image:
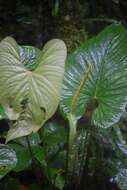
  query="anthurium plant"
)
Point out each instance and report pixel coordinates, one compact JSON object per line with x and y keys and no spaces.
{"x":91,"y":91}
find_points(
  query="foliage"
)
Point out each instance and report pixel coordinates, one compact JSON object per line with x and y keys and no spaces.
{"x":121,"y":179}
{"x":8,"y":160}
{"x":97,"y":72}
{"x":29,"y":95}
{"x":71,"y":33}
{"x":90,"y":140}
{"x":95,"y":87}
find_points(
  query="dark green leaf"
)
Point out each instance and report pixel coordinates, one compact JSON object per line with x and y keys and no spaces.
{"x":54,"y":175}
{"x":59,"y":182}
{"x":24,"y":156}
{"x":98,"y":71}
{"x":39,"y":154}
{"x":54,"y":133}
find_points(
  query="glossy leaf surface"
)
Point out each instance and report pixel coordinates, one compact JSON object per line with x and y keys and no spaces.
{"x":98,"y":71}
{"x":121,"y":179}
{"x":28,"y":56}
{"x":8,"y":160}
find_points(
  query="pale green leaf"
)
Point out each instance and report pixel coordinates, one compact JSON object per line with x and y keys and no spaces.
{"x":21,"y":129}
{"x":33,"y":95}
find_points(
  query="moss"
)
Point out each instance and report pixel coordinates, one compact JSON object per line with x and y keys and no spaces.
{"x":71,"y":33}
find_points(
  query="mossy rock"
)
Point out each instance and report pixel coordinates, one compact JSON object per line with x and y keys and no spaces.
{"x":72,"y":34}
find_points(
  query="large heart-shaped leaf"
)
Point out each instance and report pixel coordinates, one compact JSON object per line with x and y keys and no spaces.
{"x":8,"y":160}
{"x":98,"y":70}
{"x":30,"y":93}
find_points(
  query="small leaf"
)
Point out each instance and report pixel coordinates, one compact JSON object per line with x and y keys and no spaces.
{"x":54,"y":133}
{"x":8,"y":160}
{"x":28,"y":56}
{"x":39,"y":154}
{"x":54,"y":175}
{"x":59,"y":182}
{"x":121,"y":179}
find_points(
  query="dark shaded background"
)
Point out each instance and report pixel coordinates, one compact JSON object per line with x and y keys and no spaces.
{"x":34,"y":22}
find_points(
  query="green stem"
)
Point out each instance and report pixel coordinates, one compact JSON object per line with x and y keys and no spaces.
{"x":84,"y":145}
{"x":71,"y":137}
{"x":29,"y":147}
{"x":47,"y":168}
{"x":67,"y":160}
{"x":84,"y":155}
{"x":75,"y":160}
{"x":38,"y":174}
